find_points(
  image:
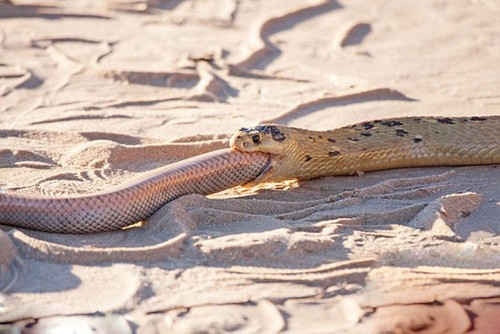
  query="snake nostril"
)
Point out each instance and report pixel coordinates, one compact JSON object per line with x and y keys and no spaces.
{"x":245,"y":144}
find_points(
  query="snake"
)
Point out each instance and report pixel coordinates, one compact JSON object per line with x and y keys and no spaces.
{"x":135,"y":200}
{"x":372,"y":146}
{"x":265,"y":153}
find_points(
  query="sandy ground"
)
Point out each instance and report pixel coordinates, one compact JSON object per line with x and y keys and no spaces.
{"x":94,"y":92}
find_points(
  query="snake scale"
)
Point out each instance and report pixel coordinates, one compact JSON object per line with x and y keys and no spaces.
{"x":266,"y":153}
{"x":134,"y":201}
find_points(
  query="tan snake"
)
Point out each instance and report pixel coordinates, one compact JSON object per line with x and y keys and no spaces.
{"x":374,"y":145}
{"x":266,"y":153}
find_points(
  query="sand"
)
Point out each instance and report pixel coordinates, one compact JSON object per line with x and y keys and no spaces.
{"x":95,"y":92}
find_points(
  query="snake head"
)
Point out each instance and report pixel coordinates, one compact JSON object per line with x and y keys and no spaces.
{"x":262,"y":138}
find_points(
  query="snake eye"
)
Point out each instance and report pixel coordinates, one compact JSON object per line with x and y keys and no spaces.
{"x":256,"y":139}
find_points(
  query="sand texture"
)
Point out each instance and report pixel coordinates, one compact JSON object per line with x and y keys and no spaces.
{"x":93,"y":93}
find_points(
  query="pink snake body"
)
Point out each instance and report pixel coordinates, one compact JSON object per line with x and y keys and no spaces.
{"x":135,"y":201}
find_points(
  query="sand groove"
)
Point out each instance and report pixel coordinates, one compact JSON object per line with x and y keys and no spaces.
{"x":307,"y":108}
{"x":263,"y":51}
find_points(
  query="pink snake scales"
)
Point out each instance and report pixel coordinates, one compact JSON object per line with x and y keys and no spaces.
{"x":134,"y":201}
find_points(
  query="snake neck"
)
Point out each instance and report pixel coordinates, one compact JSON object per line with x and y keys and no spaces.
{"x":303,"y":155}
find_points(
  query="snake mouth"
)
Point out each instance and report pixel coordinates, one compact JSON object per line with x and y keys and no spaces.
{"x":269,"y":164}
{"x":265,"y":170}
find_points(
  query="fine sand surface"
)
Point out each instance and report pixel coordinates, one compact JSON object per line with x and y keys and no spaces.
{"x":95,"y":92}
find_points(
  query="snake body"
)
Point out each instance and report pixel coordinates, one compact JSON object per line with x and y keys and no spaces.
{"x":374,"y":145}
{"x":135,"y":201}
{"x":266,"y":153}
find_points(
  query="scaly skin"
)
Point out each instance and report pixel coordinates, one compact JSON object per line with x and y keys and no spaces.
{"x":132,"y":202}
{"x":371,"y":146}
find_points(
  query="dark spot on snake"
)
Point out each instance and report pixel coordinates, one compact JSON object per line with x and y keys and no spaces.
{"x":331,"y":140}
{"x":320,"y":137}
{"x":366,"y":134}
{"x":273,"y":130}
{"x":333,"y":153}
{"x":377,"y":121}
{"x":308,"y":157}
{"x":445,"y":120}
{"x":476,"y":118}
{"x":353,"y":139}
{"x":401,"y":132}
{"x":368,"y":125}
{"x":391,"y":123}
{"x":417,"y":140}
{"x":465,"y":120}
{"x":312,"y":138}
{"x":417,"y":120}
